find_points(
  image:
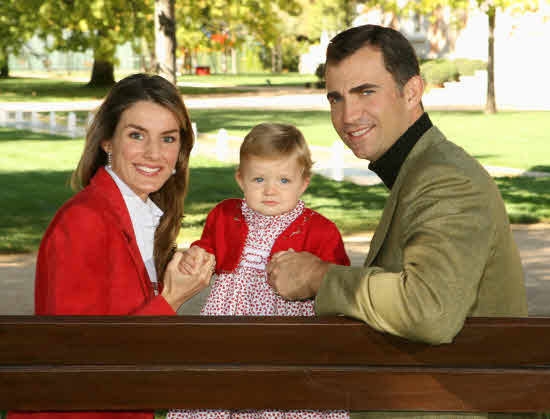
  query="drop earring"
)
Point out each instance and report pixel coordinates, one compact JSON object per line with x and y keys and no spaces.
{"x":109,"y":160}
{"x":173,"y":171}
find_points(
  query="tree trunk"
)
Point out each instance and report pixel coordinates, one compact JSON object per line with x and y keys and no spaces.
{"x":165,"y":39}
{"x":491,"y":106}
{"x":279,"y":58}
{"x":234,"y":60}
{"x":223,"y":58}
{"x":103,"y":73}
{"x":273,"y":60}
{"x":350,"y":9}
{"x":4,"y":63}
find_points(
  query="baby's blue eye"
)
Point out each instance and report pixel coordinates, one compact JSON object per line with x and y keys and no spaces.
{"x":258,"y":179}
{"x":284,"y":180}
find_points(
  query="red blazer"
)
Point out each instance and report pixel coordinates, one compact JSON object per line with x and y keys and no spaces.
{"x":89,"y":263}
{"x":225,"y":233}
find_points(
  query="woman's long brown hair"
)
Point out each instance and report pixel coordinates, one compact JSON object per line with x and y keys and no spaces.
{"x":170,"y":197}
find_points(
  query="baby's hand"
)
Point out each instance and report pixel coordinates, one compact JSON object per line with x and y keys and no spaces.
{"x":195,"y":260}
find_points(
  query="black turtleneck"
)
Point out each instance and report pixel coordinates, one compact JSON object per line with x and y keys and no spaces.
{"x":388,"y":165}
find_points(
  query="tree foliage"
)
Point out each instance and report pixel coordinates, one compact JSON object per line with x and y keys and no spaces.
{"x":99,"y":25}
{"x":489,"y":7}
{"x":223,"y":25}
{"x":17,"y":25}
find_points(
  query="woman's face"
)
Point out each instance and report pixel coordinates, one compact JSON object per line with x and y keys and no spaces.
{"x":145,"y":147}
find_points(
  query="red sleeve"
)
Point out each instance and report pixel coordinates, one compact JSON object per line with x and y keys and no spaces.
{"x":332,"y":249}
{"x":84,"y":268}
{"x":208,"y":236}
{"x":69,"y":279}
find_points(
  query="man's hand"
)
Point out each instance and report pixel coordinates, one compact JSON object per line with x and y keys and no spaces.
{"x":296,"y":275}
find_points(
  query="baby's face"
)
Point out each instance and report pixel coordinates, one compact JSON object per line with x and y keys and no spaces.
{"x":271,"y":186}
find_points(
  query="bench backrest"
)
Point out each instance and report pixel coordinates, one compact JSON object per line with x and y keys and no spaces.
{"x":81,"y":362}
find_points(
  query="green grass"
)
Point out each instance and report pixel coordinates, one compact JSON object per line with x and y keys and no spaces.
{"x":35,"y":168}
{"x":315,"y":125}
{"x":513,"y":139}
{"x":352,"y":207}
{"x":510,"y":139}
{"x":54,"y":90}
{"x":252,"y":79}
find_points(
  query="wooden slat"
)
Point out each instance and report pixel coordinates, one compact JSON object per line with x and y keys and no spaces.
{"x":278,"y":341}
{"x":79,"y":363}
{"x":396,"y":388}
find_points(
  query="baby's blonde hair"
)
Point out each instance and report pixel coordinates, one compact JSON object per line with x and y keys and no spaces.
{"x":274,"y":140}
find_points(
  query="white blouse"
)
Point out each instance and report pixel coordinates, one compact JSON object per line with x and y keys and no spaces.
{"x":145,"y":218}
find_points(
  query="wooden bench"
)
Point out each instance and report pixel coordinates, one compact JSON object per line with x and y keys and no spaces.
{"x":81,"y":362}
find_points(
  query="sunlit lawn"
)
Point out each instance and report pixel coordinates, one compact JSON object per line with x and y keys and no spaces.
{"x":511,"y":139}
{"x":252,"y":79}
{"x":35,"y":168}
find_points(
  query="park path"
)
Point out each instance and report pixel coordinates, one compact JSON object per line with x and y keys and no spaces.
{"x":17,"y":271}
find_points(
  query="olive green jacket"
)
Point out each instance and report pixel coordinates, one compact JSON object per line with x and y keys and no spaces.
{"x":443,"y":251}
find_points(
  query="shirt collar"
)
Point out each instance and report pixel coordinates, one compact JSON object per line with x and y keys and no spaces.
{"x":128,"y":194}
{"x":388,"y":165}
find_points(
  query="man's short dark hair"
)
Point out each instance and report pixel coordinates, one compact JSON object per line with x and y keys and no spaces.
{"x":399,"y":56}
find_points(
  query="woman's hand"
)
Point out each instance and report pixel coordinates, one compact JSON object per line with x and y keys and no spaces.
{"x":180,"y":286}
{"x":196,"y":259}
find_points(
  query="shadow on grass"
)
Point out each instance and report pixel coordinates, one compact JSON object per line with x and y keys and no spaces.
{"x":33,"y":197}
{"x":527,"y":198}
{"x":16,"y":89}
{"x":29,"y":204}
{"x":540,"y":168}
{"x":7,"y":134}
{"x":483,"y":156}
{"x":349,"y":205}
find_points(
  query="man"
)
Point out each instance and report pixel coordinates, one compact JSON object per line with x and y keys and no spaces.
{"x":443,"y":249}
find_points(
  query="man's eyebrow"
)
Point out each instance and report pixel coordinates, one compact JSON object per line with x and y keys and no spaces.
{"x":333,"y":95}
{"x":361,"y":87}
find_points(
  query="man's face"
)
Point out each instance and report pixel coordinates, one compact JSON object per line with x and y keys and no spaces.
{"x":367,"y":109}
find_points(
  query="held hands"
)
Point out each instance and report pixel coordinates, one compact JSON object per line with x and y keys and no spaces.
{"x":296,"y":275}
{"x":196,"y":260}
{"x":182,"y":284}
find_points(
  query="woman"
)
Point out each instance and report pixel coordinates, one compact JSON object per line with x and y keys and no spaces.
{"x":107,"y":250}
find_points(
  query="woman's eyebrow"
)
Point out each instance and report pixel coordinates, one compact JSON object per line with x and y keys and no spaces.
{"x":139,"y":127}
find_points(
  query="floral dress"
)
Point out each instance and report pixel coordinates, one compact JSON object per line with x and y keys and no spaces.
{"x":245,"y":291}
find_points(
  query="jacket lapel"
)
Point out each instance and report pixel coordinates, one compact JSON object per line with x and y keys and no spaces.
{"x":429,"y":137}
{"x":382,"y":227}
{"x":117,"y":207}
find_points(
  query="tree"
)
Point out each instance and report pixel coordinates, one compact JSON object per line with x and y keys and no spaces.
{"x":224,"y":25}
{"x":490,"y":8}
{"x":100,"y":25}
{"x":16,"y":28}
{"x":165,"y":39}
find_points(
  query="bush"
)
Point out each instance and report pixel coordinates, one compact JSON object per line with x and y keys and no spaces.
{"x":320,"y":73}
{"x":468,"y":67}
{"x":436,"y":72}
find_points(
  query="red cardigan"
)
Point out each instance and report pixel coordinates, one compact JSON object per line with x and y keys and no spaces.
{"x":89,"y":263}
{"x":225,"y":233}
